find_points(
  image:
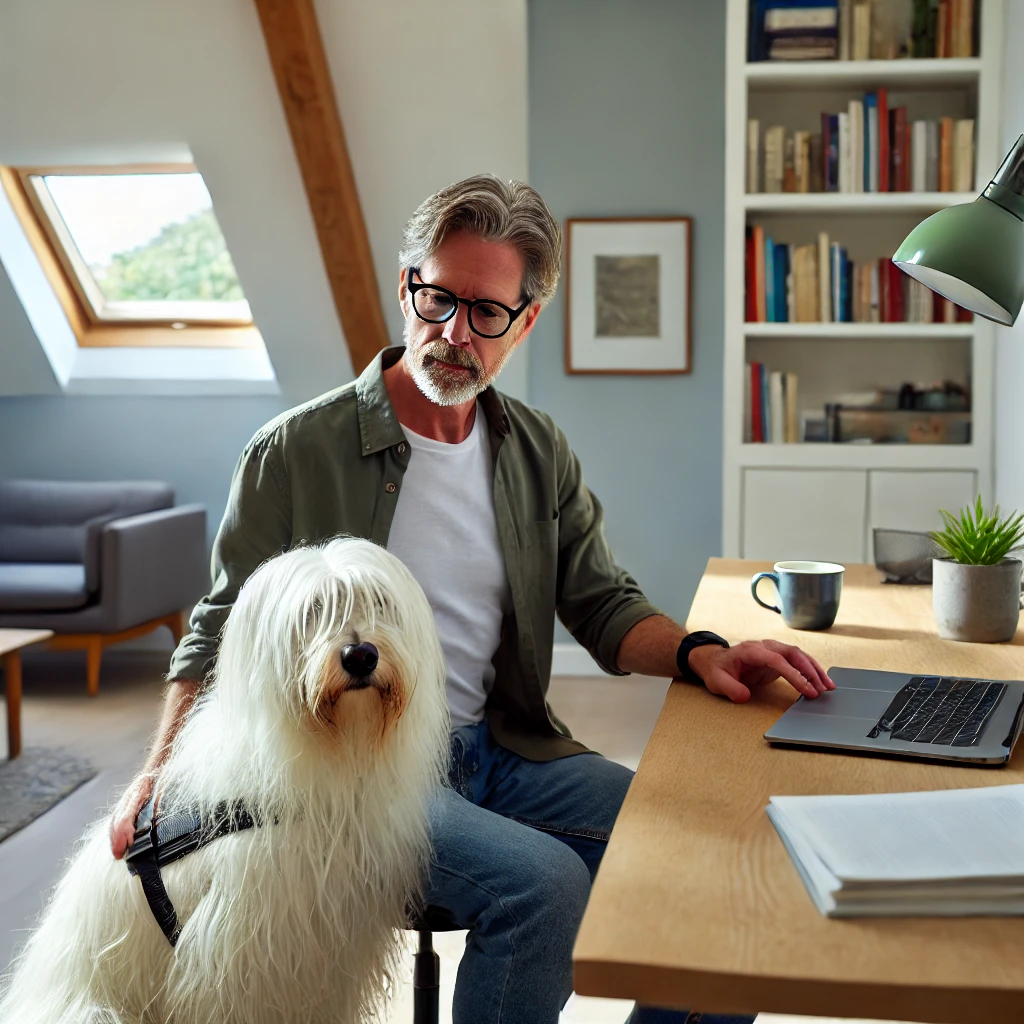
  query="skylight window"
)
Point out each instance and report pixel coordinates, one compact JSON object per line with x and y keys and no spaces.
{"x":140,"y":247}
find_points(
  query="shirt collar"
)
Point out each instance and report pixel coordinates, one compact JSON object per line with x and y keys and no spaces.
{"x":378,"y":425}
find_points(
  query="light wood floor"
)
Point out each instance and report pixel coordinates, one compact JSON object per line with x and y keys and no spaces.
{"x":612,"y":715}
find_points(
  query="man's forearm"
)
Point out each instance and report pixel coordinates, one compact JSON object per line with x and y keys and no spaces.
{"x":649,"y":648}
{"x":179,"y":698}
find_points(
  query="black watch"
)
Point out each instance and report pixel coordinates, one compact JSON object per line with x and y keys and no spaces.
{"x":690,"y":641}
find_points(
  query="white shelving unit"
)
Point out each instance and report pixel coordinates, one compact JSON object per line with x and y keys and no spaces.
{"x":822,"y":500}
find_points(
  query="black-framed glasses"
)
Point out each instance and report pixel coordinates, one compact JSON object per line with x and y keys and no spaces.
{"x":487,"y":317}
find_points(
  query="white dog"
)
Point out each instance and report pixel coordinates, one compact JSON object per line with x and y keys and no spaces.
{"x":296,"y":920}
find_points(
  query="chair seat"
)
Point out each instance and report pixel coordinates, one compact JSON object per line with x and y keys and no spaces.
{"x":432,"y":919}
{"x":46,"y":586}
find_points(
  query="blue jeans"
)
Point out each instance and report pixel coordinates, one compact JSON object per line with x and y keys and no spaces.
{"x":517,"y":844}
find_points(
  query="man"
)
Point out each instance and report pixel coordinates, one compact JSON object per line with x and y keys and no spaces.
{"x":484,"y":501}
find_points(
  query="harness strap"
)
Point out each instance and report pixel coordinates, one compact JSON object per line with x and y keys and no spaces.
{"x":162,"y":841}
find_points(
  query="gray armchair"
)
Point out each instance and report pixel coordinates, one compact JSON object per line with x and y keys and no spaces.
{"x":98,"y":563}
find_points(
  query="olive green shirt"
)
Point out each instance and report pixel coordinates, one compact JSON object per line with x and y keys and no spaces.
{"x":335,"y":466}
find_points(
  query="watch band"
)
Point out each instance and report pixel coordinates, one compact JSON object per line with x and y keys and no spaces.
{"x":692,"y":640}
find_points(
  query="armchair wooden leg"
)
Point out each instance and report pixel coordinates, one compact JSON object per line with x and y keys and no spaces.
{"x":12,"y":670}
{"x":93,"y":657}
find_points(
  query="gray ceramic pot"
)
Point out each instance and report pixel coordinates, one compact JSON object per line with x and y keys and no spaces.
{"x":976,"y":603}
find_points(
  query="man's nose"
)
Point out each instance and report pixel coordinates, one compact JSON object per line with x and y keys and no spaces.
{"x":456,"y":331}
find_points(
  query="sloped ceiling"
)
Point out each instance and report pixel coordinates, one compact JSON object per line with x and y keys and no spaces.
{"x":117,"y":80}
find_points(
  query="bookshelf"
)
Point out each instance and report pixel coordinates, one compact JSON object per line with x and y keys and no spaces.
{"x":820,"y":499}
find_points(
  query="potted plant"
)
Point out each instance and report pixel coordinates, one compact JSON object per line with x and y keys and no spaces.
{"x":976,"y":591}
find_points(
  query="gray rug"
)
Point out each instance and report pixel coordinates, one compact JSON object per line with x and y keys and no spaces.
{"x":35,"y":781}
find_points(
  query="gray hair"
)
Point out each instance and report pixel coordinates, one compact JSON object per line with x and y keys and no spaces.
{"x":497,"y":211}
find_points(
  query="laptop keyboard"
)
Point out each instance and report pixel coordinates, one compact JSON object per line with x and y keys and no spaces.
{"x":948,"y":712}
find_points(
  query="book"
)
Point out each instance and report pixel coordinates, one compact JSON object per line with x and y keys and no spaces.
{"x":835,"y":274}
{"x":946,"y":852}
{"x":860,"y":43}
{"x":843,"y":156}
{"x":779,"y":259}
{"x":830,"y":154}
{"x":800,"y":19}
{"x":766,"y":427}
{"x":931,"y":173}
{"x":777,"y":408}
{"x":753,"y":155}
{"x":900,"y":162}
{"x":748,"y":424}
{"x":762,"y":312}
{"x":792,"y":412}
{"x":845,"y":28}
{"x":774,"y":158}
{"x":824,"y":312}
{"x":788,"y":166}
{"x":769,"y":279}
{"x":942,"y":48}
{"x":815,"y":163}
{"x":870,"y":170}
{"x":946,"y":154}
{"x":882,"y":151}
{"x":919,"y":156}
{"x":749,"y":277}
{"x":756,"y":421}
{"x":963,"y":156}
{"x":802,"y":161}
{"x":855,"y":117}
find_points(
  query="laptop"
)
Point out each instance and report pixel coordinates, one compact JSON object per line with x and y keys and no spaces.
{"x":926,"y":717}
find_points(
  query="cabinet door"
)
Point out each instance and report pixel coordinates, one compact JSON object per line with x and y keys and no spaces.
{"x":804,"y":513}
{"x":911,"y":500}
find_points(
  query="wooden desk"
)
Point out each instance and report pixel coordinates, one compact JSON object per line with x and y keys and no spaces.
{"x":697,"y":904}
{"x":11,"y":642}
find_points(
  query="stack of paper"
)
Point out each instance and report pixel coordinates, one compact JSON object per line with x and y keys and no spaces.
{"x":951,"y":852}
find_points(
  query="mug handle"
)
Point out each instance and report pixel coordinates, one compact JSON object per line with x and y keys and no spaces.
{"x":753,"y":589}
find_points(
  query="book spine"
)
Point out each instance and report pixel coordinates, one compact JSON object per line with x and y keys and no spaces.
{"x":779,"y":263}
{"x":932,"y":163}
{"x":753,"y":155}
{"x":861,"y":45}
{"x":748,"y":434}
{"x":824,"y":277}
{"x":884,"y":299}
{"x":750,"y":291}
{"x":883,"y":162}
{"x":769,"y":279}
{"x":900,"y":160}
{"x":870,"y":143}
{"x":919,"y":156}
{"x":845,"y":28}
{"x":946,"y":154}
{"x":776,"y":405}
{"x":896,"y":278}
{"x":792,"y":410}
{"x":816,"y":163}
{"x":835,"y":276}
{"x":756,"y":422}
{"x":844,"y":153}
{"x":855,"y":116}
{"x":762,"y":312}
{"x":874,"y":292}
{"x":963,"y":160}
{"x":942,"y":30}
{"x":766,"y":426}
{"x":846,"y":289}
{"x":832,"y":167}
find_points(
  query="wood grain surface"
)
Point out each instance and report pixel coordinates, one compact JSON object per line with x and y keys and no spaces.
{"x":697,"y":903}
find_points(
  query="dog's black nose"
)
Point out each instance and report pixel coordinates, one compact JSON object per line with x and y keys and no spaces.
{"x":359,"y":659}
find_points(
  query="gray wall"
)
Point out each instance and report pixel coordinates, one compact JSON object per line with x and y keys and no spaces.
{"x":191,"y":443}
{"x":627,"y":110}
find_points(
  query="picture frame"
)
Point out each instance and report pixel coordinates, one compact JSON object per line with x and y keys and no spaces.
{"x":627,"y":308}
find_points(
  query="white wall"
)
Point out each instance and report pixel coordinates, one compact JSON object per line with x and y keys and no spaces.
{"x":117,"y":80}
{"x":429,"y":93}
{"x":1009,"y":418}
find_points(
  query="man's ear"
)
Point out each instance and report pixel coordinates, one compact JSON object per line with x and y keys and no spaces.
{"x":531,"y":318}
{"x":403,"y":291}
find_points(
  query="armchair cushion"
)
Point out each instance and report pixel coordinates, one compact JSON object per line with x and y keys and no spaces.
{"x":42,"y":587}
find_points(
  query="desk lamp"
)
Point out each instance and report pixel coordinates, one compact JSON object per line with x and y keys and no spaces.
{"x":973,"y":254}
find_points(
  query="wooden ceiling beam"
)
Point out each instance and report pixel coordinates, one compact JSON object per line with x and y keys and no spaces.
{"x":304,"y":83}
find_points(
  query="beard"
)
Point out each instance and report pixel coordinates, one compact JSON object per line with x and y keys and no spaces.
{"x":431,"y":368}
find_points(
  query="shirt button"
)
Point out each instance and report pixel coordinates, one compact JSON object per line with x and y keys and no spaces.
{"x":390,"y":488}
{"x":367,"y":446}
{"x":401,"y":448}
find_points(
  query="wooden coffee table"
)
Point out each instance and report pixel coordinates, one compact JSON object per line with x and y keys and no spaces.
{"x":11,"y":643}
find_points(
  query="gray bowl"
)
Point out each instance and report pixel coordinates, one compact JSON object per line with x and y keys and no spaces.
{"x":905,"y":556}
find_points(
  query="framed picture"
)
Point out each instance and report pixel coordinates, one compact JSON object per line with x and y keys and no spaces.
{"x":628,"y":295}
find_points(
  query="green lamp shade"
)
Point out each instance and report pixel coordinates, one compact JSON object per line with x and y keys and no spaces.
{"x":974,"y":254}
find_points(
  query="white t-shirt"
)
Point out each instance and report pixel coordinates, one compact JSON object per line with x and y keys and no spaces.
{"x":445,"y":532}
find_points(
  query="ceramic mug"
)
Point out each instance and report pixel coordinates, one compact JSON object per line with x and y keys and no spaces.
{"x":808,"y":592}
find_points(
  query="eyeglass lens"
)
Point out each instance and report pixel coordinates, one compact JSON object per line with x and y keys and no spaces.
{"x":487,"y":319}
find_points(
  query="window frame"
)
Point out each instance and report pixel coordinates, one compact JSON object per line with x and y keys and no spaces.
{"x":47,"y":241}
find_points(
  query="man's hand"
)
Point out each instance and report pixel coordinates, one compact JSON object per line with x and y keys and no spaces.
{"x":733,"y":672}
{"x":122,"y":823}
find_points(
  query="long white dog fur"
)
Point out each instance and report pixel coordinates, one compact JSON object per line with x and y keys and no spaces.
{"x":289,"y":923}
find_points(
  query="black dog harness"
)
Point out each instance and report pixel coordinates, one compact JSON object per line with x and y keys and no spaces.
{"x":167,"y":839}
